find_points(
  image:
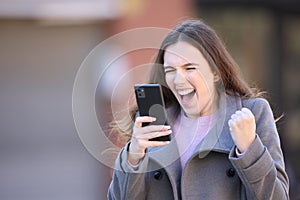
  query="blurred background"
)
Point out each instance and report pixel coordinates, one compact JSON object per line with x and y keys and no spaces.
{"x":44,"y":42}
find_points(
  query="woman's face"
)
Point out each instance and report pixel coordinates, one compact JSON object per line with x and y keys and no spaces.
{"x":190,"y":78}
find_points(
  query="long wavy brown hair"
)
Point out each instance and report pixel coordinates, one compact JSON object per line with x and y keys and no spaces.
{"x":204,"y":38}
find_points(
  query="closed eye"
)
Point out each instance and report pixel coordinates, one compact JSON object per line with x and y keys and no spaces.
{"x":190,"y":68}
{"x":169,"y":69}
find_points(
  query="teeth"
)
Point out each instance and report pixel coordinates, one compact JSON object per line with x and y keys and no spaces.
{"x":185,"y":92}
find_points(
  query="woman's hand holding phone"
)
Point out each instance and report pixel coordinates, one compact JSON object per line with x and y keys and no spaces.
{"x":141,"y":135}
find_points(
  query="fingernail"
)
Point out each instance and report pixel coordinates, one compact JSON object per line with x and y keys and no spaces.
{"x":168,"y":127}
{"x":153,"y":118}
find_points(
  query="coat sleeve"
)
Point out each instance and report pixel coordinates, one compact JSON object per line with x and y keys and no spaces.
{"x":127,"y":183}
{"x":262,"y":168}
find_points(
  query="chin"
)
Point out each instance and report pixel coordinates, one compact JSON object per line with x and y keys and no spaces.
{"x":191,"y":114}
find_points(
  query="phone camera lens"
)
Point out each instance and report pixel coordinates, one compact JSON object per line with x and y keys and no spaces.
{"x":141,"y":93}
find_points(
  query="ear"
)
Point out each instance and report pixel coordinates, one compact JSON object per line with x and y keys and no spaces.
{"x":216,"y":77}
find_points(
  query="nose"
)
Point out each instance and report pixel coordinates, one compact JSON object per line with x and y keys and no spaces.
{"x":179,"y":77}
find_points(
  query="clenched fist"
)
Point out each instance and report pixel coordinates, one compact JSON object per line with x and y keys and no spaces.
{"x":242,"y":127}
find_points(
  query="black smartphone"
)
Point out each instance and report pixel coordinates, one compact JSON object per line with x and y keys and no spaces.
{"x":150,"y":102}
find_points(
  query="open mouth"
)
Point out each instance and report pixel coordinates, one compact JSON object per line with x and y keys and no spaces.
{"x":186,"y":94}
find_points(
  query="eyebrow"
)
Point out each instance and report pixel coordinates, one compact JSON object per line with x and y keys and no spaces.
{"x":185,"y":65}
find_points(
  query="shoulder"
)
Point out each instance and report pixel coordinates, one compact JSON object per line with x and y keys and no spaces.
{"x":255,"y":103}
{"x":261,"y":109}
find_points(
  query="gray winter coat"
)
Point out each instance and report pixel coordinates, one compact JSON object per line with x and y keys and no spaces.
{"x":213,"y":172}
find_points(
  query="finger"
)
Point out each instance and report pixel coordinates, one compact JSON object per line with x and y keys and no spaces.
{"x":157,"y":143}
{"x":155,"y":128}
{"x":241,"y":115}
{"x":247,"y":111}
{"x":238,"y":115}
{"x":147,"y":143}
{"x":150,"y":129}
{"x":153,"y":134}
{"x":230,"y":124}
{"x":140,"y":120}
{"x":238,"y":112}
{"x":233,"y":116}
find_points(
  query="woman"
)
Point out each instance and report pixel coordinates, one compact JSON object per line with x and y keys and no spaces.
{"x":225,"y":144}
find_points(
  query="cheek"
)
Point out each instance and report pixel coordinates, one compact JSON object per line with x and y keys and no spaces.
{"x":210,"y":83}
{"x":197,"y":80}
{"x":203,"y":84}
{"x":169,"y":81}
